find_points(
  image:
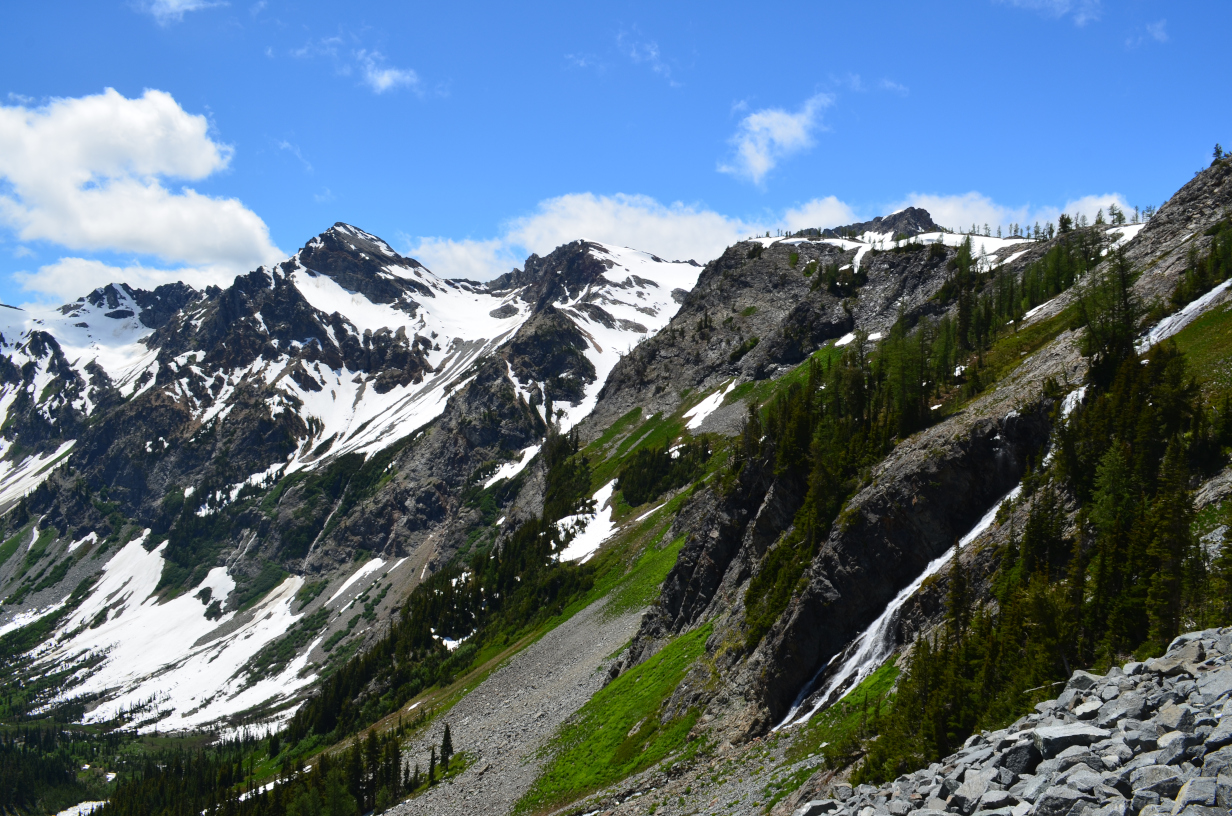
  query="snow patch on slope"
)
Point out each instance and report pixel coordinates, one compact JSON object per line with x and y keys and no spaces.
{"x":141,"y":642}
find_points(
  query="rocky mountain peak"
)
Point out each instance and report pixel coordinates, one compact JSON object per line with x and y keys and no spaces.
{"x":911,"y":221}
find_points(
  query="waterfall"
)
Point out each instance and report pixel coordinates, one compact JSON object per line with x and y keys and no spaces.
{"x":866,"y":653}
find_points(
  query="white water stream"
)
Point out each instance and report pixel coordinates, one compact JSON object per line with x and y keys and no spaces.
{"x":867,"y":652}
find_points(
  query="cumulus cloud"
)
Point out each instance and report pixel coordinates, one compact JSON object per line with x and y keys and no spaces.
{"x":672,"y":231}
{"x":380,"y":77}
{"x":820,"y":213}
{"x":94,"y":174}
{"x":682,"y":232}
{"x":173,"y":11}
{"x":479,"y":260}
{"x":1081,"y":11}
{"x":70,"y":278}
{"x":959,"y":212}
{"x":767,"y":136}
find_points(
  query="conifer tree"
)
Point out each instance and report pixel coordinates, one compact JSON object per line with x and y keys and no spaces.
{"x":432,"y":766}
{"x":446,"y":748}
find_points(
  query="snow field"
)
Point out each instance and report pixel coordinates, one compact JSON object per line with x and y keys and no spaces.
{"x":589,"y":531}
{"x":163,"y":650}
{"x":698,"y":413}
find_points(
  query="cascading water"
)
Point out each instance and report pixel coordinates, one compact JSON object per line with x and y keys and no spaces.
{"x":866,"y":653}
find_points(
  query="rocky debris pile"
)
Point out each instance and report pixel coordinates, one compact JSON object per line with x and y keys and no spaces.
{"x":1146,"y":739}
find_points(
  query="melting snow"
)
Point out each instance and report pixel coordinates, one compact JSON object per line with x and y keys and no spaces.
{"x":589,"y":531}
{"x":867,"y":652}
{"x":1173,"y":323}
{"x":510,"y":469}
{"x":169,"y":652}
{"x":368,"y":568}
{"x":707,"y":407}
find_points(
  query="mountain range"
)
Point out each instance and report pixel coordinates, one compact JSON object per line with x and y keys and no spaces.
{"x":767,"y":469}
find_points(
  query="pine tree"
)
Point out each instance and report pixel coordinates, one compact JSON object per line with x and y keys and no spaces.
{"x":446,"y":748}
{"x":432,"y":767}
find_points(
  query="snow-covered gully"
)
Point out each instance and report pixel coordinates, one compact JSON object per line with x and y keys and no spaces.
{"x":869,"y":650}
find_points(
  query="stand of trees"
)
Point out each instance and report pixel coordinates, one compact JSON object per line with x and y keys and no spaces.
{"x":1124,"y":578}
{"x":370,"y":775}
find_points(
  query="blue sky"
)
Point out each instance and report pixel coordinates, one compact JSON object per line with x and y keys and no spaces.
{"x":470,"y":134}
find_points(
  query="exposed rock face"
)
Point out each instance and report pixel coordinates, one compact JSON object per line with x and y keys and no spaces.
{"x":1160,"y":744}
{"x":911,"y":221}
{"x":754,"y":295}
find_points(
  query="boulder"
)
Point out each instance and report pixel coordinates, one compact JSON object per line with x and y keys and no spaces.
{"x":817,"y":807}
{"x":1202,"y":810}
{"x":1143,"y":798}
{"x":1218,"y":763}
{"x":1173,"y":747}
{"x":1129,"y":705}
{"x":1160,"y":779}
{"x":995,"y":799}
{"x":1088,"y":710}
{"x":1082,"y":778}
{"x":1059,"y":800}
{"x":1034,"y":787}
{"x":1215,"y":684}
{"x":1053,"y":739}
{"x":1083,"y":681}
{"x":1113,"y":807}
{"x":1198,"y":791}
{"x":1021,"y":758}
{"x":975,"y":785}
{"x":1173,"y":717}
{"x":1221,"y":735}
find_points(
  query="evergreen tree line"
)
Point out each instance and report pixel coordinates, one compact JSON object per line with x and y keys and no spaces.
{"x":498,"y":592}
{"x":38,"y":767}
{"x":992,"y":302}
{"x":821,"y":435}
{"x":652,"y":471}
{"x":1105,"y":565}
{"x":370,"y":775}
{"x":1204,"y":272}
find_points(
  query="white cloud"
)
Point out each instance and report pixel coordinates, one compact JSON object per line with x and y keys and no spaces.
{"x":466,"y":258}
{"x":674,"y":232}
{"x":1157,"y":31}
{"x":92,"y":174}
{"x":646,"y":52}
{"x":959,"y":212}
{"x":173,"y":11}
{"x":1082,"y":11}
{"x":767,"y":136}
{"x":294,"y":150}
{"x":820,"y":213}
{"x":381,"y":78}
{"x":70,"y":278}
